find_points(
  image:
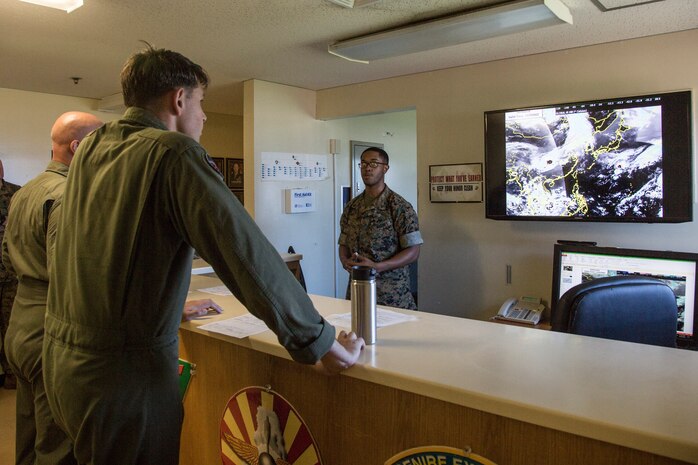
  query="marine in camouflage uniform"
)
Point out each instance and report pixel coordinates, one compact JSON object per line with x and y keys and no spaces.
{"x":8,"y":281}
{"x":380,"y":229}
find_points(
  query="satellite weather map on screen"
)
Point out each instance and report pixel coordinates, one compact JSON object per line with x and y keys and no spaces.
{"x":580,"y":161}
{"x":624,"y":159}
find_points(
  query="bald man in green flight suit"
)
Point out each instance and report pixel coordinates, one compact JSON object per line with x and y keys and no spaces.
{"x":140,"y":195}
{"x":39,"y":441}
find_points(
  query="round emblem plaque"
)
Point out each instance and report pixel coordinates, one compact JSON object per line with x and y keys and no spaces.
{"x":260,"y":427}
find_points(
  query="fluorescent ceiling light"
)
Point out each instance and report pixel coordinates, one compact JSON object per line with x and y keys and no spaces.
{"x":517,"y":16}
{"x":344,"y":3}
{"x":66,"y":5}
{"x":352,"y":3}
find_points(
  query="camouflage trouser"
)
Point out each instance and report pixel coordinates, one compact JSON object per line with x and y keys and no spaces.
{"x":391,"y":292}
{"x":8,"y":289}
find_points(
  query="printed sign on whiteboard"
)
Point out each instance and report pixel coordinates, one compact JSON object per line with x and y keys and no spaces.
{"x":299,"y":200}
{"x":277,"y":166}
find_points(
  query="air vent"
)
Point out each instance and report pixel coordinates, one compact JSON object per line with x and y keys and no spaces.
{"x":610,"y":5}
{"x":112,"y":103}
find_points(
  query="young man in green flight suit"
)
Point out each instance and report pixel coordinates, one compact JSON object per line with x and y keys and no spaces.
{"x":141,"y":194}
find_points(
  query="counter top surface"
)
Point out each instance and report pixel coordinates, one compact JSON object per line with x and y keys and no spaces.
{"x":199,"y":265}
{"x":635,"y":395}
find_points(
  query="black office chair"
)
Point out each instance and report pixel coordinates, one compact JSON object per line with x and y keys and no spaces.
{"x":301,"y":278}
{"x":625,"y":308}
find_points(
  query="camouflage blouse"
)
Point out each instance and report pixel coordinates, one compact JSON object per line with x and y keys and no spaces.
{"x":7,"y":190}
{"x":378,"y":229}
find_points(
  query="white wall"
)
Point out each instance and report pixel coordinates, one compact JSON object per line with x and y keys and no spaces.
{"x":464,"y":258}
{"x":397,"y":131}
{"x":281,"y":118}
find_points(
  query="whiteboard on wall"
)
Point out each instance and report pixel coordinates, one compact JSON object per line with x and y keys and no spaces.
{"x":281,"y":166}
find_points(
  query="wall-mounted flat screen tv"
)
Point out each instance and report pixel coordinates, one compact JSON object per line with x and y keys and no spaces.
{"x":622,"y":159}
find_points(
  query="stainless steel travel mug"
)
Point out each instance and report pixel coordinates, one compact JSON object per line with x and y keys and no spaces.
{"x":363,"y":302}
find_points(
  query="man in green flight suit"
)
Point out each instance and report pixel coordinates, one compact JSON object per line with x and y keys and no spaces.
{"x":39,"y":440}
{"x":140,"y":195}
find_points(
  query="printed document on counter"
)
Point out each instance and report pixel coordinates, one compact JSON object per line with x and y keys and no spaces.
{"x":240,"y":327}
{"x":218,"y":290}
{"x":384,"y":317}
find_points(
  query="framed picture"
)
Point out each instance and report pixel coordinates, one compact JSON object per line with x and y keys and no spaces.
{"x":220,"y":163}
{"x":455,"y":183}
{"x":234,"y":172}
{"x":240,"y":194}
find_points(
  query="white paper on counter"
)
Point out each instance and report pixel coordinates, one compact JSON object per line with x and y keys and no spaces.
{"x":218,"y":290}
{"x":202,"y":270}
{"x":239,"y":327}
{"x":384,"y":317}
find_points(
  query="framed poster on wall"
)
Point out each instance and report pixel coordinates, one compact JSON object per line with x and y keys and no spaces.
{"x":455,"y":183}
{"x":234,"y":172}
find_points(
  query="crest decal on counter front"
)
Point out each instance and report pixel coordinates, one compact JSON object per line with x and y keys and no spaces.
{"x":437,"y":455}
{"x":260,"y":427}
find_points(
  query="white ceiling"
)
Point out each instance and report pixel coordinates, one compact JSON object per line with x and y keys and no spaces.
{"x":283,"y":41}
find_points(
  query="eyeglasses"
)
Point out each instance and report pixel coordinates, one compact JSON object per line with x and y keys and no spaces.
{"x":372,"y":164}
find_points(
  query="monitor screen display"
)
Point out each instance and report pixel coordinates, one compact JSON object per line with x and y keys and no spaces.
{"x":576,"y":264}
{"x":622,"y":159}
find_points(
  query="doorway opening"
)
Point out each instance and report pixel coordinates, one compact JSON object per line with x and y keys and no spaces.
{"x":394,"y":132}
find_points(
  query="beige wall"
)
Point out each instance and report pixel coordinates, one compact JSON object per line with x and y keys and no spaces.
{"x":26,"y":119}
{"x":463,"y":261}
{"x":464,"y":258}
{"x":222,"y":135}
{"x":25,"y":127}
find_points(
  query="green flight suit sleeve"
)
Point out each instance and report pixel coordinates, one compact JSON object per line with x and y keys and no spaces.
{"x":51,"y":228}
{"x":213,"y":221}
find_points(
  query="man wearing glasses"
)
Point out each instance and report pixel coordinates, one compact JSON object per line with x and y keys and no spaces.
{"x":380,"y":229}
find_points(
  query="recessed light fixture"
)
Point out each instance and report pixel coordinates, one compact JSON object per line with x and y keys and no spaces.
{"x":509,"y":18}
{"x":65,"y":5}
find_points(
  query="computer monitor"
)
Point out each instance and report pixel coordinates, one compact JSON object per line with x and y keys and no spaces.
{"x":574,"y":264}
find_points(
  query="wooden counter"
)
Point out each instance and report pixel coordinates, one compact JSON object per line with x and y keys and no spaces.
{"x":292,"y":260}
{"x":515,"y":395}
